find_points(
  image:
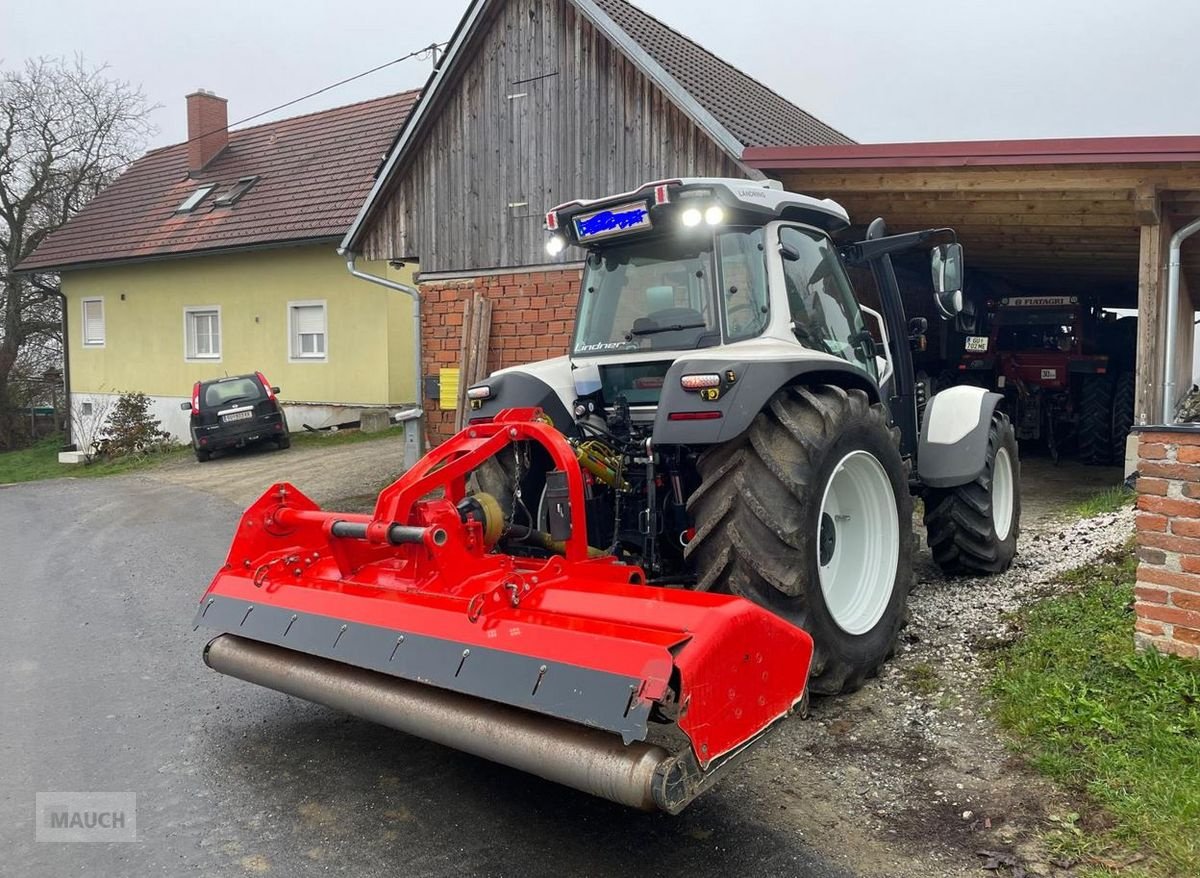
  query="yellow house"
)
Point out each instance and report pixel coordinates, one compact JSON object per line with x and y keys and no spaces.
{"x":218,"y":256}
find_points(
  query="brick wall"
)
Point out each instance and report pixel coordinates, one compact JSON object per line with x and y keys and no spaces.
{"x":1168,"y":542}
{"x":532,"y":317}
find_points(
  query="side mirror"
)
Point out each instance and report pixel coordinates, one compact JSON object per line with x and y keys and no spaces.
{"x":275,"y":390}
{"x":946,"y":261}
{"x":185,"y":406}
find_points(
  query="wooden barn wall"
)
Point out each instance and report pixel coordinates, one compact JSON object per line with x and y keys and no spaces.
{"x":545,"y":111}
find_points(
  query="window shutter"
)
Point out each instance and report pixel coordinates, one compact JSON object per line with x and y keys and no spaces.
{"x":310,"y":319}
{"x":93,"y":322}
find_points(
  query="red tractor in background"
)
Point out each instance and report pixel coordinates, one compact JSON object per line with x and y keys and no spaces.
{"x":1066,"y":369}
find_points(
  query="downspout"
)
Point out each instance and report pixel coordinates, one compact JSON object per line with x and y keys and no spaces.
{"x":1174,"y":268}
{"x":66,"y":356}
{"x":414,"y":294}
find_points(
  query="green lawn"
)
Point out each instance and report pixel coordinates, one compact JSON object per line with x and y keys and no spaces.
{"x":1109,"y":500}
{"x":1122,"y":727}
{"x":40,"y":461}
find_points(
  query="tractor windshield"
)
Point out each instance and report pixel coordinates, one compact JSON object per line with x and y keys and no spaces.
{"x":659,"y":294}
{"x":1035,"y":329}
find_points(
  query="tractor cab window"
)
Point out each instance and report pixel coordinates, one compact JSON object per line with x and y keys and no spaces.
{"x":743,"y":282}
{"x":1035,"y":329}
{"x":649,"y":295}
{"x":824,"y":309}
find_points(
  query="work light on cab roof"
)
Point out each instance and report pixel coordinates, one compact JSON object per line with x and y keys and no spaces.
{"x":684,"y":206}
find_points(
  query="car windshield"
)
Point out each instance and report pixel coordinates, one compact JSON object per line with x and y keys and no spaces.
{"x":231,"y":390}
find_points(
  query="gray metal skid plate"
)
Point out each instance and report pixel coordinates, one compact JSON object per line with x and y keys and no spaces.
{"x":582,"y":695}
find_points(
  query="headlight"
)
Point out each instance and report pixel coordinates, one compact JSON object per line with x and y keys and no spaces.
{"x":555,"y":244}
{"x":690,"y":217}
{"x":479,"y":391}
{"x":714,"y":215}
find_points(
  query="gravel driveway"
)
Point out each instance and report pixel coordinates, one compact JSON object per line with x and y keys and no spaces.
{"x":346,"y":477}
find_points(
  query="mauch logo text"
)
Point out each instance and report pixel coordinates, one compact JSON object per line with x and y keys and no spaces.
{"x":81,"y":817}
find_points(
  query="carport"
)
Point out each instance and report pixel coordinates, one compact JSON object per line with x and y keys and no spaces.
{"x":1089,"y":217}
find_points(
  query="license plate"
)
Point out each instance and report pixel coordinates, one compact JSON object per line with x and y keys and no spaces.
{"x":976,"y":343}
{"x":237,"y":416}
{"x":1049,"y":373}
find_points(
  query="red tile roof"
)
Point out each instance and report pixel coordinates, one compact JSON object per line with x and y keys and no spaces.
{"x":314,"y":173}
{"x":753,"y":113}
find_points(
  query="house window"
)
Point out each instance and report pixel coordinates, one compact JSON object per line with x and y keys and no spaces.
{"x":202,"y":333}
{"x":93,"y":322}
{"x":307,"y":322}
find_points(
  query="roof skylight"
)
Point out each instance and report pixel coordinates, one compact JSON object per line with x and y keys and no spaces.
{"x":236,"y":191}
{"x":193,"y":201}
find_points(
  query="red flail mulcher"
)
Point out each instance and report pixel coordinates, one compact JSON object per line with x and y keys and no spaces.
{"x":563,"y":662}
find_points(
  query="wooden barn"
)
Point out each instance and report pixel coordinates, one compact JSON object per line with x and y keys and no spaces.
{"x":534,"y":103}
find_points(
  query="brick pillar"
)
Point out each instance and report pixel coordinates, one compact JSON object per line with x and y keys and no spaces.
{"x":533,"y":315}
{"x":1168,"y":541}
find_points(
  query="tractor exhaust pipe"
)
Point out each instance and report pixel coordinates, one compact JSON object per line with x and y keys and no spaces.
{"x":638,"y":775}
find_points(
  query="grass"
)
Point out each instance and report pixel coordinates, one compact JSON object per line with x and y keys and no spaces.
{"x":1109,"y":500}
{"x":40,"y":461}
{"x":324,"y":439}
{"x":1122,"y":726}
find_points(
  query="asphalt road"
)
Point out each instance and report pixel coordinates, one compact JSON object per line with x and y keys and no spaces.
{"x":102,"y":688}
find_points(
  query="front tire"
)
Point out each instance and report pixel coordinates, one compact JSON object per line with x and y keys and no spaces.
{"x":972,"y":529}
{"x":808,"y":514}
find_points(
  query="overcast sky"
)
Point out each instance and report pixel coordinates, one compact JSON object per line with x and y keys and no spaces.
{"x":879,"y":70}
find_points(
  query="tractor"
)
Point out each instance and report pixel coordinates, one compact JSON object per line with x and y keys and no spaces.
{"x":1066,"y":369}
{"x":636,"y":559}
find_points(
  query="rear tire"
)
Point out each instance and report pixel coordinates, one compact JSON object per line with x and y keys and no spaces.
{"x":808,"y":514}
{"x":1122,"y":414}
{"x":203,"y":455}
{"x":1095,"y":420}
{"x":972,"y":529}
{"x":284,"y":441}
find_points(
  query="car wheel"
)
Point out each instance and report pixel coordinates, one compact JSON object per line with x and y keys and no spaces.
{"x":203,"y":454}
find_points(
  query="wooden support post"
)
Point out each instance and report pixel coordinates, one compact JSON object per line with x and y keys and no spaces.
{"x":473,"y":351}
{"x":1152,"y":291}
{"x":1147,"y":207}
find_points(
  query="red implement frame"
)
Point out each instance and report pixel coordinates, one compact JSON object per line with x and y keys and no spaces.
{"x":416,"y":580}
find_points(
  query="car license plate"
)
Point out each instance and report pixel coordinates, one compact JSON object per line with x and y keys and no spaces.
{"x":976,"y":343}
{"x":237,"y":416}
{"x":1050,"y":373}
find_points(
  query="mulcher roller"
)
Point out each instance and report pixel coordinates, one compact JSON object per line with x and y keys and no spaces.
{"x":571,"y":667}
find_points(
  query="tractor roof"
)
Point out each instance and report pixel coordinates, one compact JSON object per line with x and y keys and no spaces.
{"x":757,"y":201}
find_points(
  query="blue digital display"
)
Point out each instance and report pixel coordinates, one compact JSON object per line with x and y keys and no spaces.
{"x":613,"y":221}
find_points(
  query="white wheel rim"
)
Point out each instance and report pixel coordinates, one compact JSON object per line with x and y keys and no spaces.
{"x":857,"y":564}
{"x":1003,"y":484}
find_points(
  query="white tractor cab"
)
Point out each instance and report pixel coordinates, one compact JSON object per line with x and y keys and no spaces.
{"x":740,"y":426}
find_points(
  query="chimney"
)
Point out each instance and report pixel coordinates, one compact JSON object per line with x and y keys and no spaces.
{"x":208,"y":128}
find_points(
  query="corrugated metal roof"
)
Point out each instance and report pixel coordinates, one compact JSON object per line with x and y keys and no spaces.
{"x":753,"y":113}
{"x":314,"y":172}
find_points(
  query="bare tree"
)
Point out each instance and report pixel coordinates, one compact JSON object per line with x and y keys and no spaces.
{"x":66,"y":130}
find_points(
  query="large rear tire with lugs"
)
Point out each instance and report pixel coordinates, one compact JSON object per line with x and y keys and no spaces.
{"x":1095,"y":420}
{"x":1122,"y":414}
{"x":808,"y":514}
{"x":972,"y":529}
